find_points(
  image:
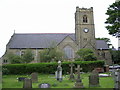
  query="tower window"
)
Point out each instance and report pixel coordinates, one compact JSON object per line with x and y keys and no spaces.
{"x":85,"y":39}
{"x":85,"y":19}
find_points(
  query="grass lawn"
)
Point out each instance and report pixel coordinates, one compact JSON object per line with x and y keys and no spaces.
{"x":10,"y":81}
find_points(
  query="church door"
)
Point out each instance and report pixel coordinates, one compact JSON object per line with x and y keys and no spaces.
{"x":69,"y":52}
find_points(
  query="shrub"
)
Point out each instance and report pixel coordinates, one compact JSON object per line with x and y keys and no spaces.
{"x":115,"y":56}
{"x":5,"y":71}
{"x":14,"y":58}
{"x":90,"y":57}
{"x":50,"y":68}
{"x":86,"y":54}
{"x":27,"y":56}
{"x":51,"y":54}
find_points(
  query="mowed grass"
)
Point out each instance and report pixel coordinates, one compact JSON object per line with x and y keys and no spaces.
{"x":10,"y":81}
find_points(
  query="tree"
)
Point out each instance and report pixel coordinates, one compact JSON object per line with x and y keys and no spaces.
{"x":86,"y":54}
{"x":44,"y":57}
{"x":51,"y":54}
{"x":14,"y":58}
{"x":27,"y":56}
{"x":115,"y":56}
{"x":113,"y":20}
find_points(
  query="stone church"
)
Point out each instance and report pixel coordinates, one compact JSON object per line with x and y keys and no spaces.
{"x":69,"y":43}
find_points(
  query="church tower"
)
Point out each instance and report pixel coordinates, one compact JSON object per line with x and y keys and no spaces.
{"x":84,"y":28}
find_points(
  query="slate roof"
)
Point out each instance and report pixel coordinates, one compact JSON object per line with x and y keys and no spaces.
{"x":101,"y":44}
{"x":43,"y":40}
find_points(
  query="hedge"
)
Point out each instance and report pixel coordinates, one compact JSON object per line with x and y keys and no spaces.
{"x":49,"y":68}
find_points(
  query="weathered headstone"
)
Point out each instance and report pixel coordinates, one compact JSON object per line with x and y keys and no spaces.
{"x":27,"y":83}
{"x":78,"y":83}
{"x":94,"y":79}
{"x":71,"y":72}
{"x":117,"y":79}
{"x":106,"y":68}
{"x":34,"y":77}
{"x":58,"y":73}
{"x":44,"y":85}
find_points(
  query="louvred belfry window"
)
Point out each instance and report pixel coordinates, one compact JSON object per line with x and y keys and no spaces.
{"x":85,"y":19}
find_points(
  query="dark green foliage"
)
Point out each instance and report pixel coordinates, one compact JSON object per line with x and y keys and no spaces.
{"x":51,"y":54}
{"x":27,"y":56}
{"x":115,"y":56}
{"x":86,"y":54}
{"x":5,"y":71}
{"x":107,"y":40}
{"x":90,"y":57}
{"x":50,"y":68}
{"x":14,"y":58}
{"x":44,"y":55}
{"x":88,"y":66}
{"x":113,"y":20}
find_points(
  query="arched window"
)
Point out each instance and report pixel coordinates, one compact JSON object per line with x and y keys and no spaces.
{"x":4,"y":61}
{"x":69,"y":52}
{"x":85,"y":19}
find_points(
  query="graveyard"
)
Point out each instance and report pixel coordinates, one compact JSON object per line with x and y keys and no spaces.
{"x":79,"y":79}
{"x":62,"y":60}
{"x":11,"y":81}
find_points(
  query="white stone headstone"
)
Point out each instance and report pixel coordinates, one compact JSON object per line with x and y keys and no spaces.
{"x":117,"y":79}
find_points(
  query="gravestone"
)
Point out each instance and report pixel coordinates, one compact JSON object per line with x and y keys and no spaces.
{"x":58,"y":73}
{"x":117,"y":79}
{"x":78,"y":83}
{"x":106,"y":68}
{"x":94,"y":79}
{"x":104,"y":75}
{"x":71,"y":72}
{"x":34,"y":77}
{"x":27,"y":83}
{"x":21,"y":78}
{"x":44,"y":85}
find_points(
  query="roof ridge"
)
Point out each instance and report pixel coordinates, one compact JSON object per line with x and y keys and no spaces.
{"x":44,"y":33}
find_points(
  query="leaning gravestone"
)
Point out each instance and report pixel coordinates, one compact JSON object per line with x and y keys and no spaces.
{"x":78,"y":83}
{"x":27,"y":83}
{"x":44,"y":85}
{"x":71,"y":72}
{"x":94,"y":79}
{"x":117,"y":79}
{"x":34,"y":77}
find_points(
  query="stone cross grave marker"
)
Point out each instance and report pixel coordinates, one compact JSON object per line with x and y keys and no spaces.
{"x":117,"y":79}
{"x":27,"y":83}
{"x":94,"y":79}
{"x":71,"y":72}
{"x":78,"y":83}
{"x":34,"y":77}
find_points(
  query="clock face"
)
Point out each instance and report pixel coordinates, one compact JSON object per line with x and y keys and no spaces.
{"x":86,"y":30}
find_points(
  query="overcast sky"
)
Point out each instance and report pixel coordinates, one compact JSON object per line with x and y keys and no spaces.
{"x":48,"y":16}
